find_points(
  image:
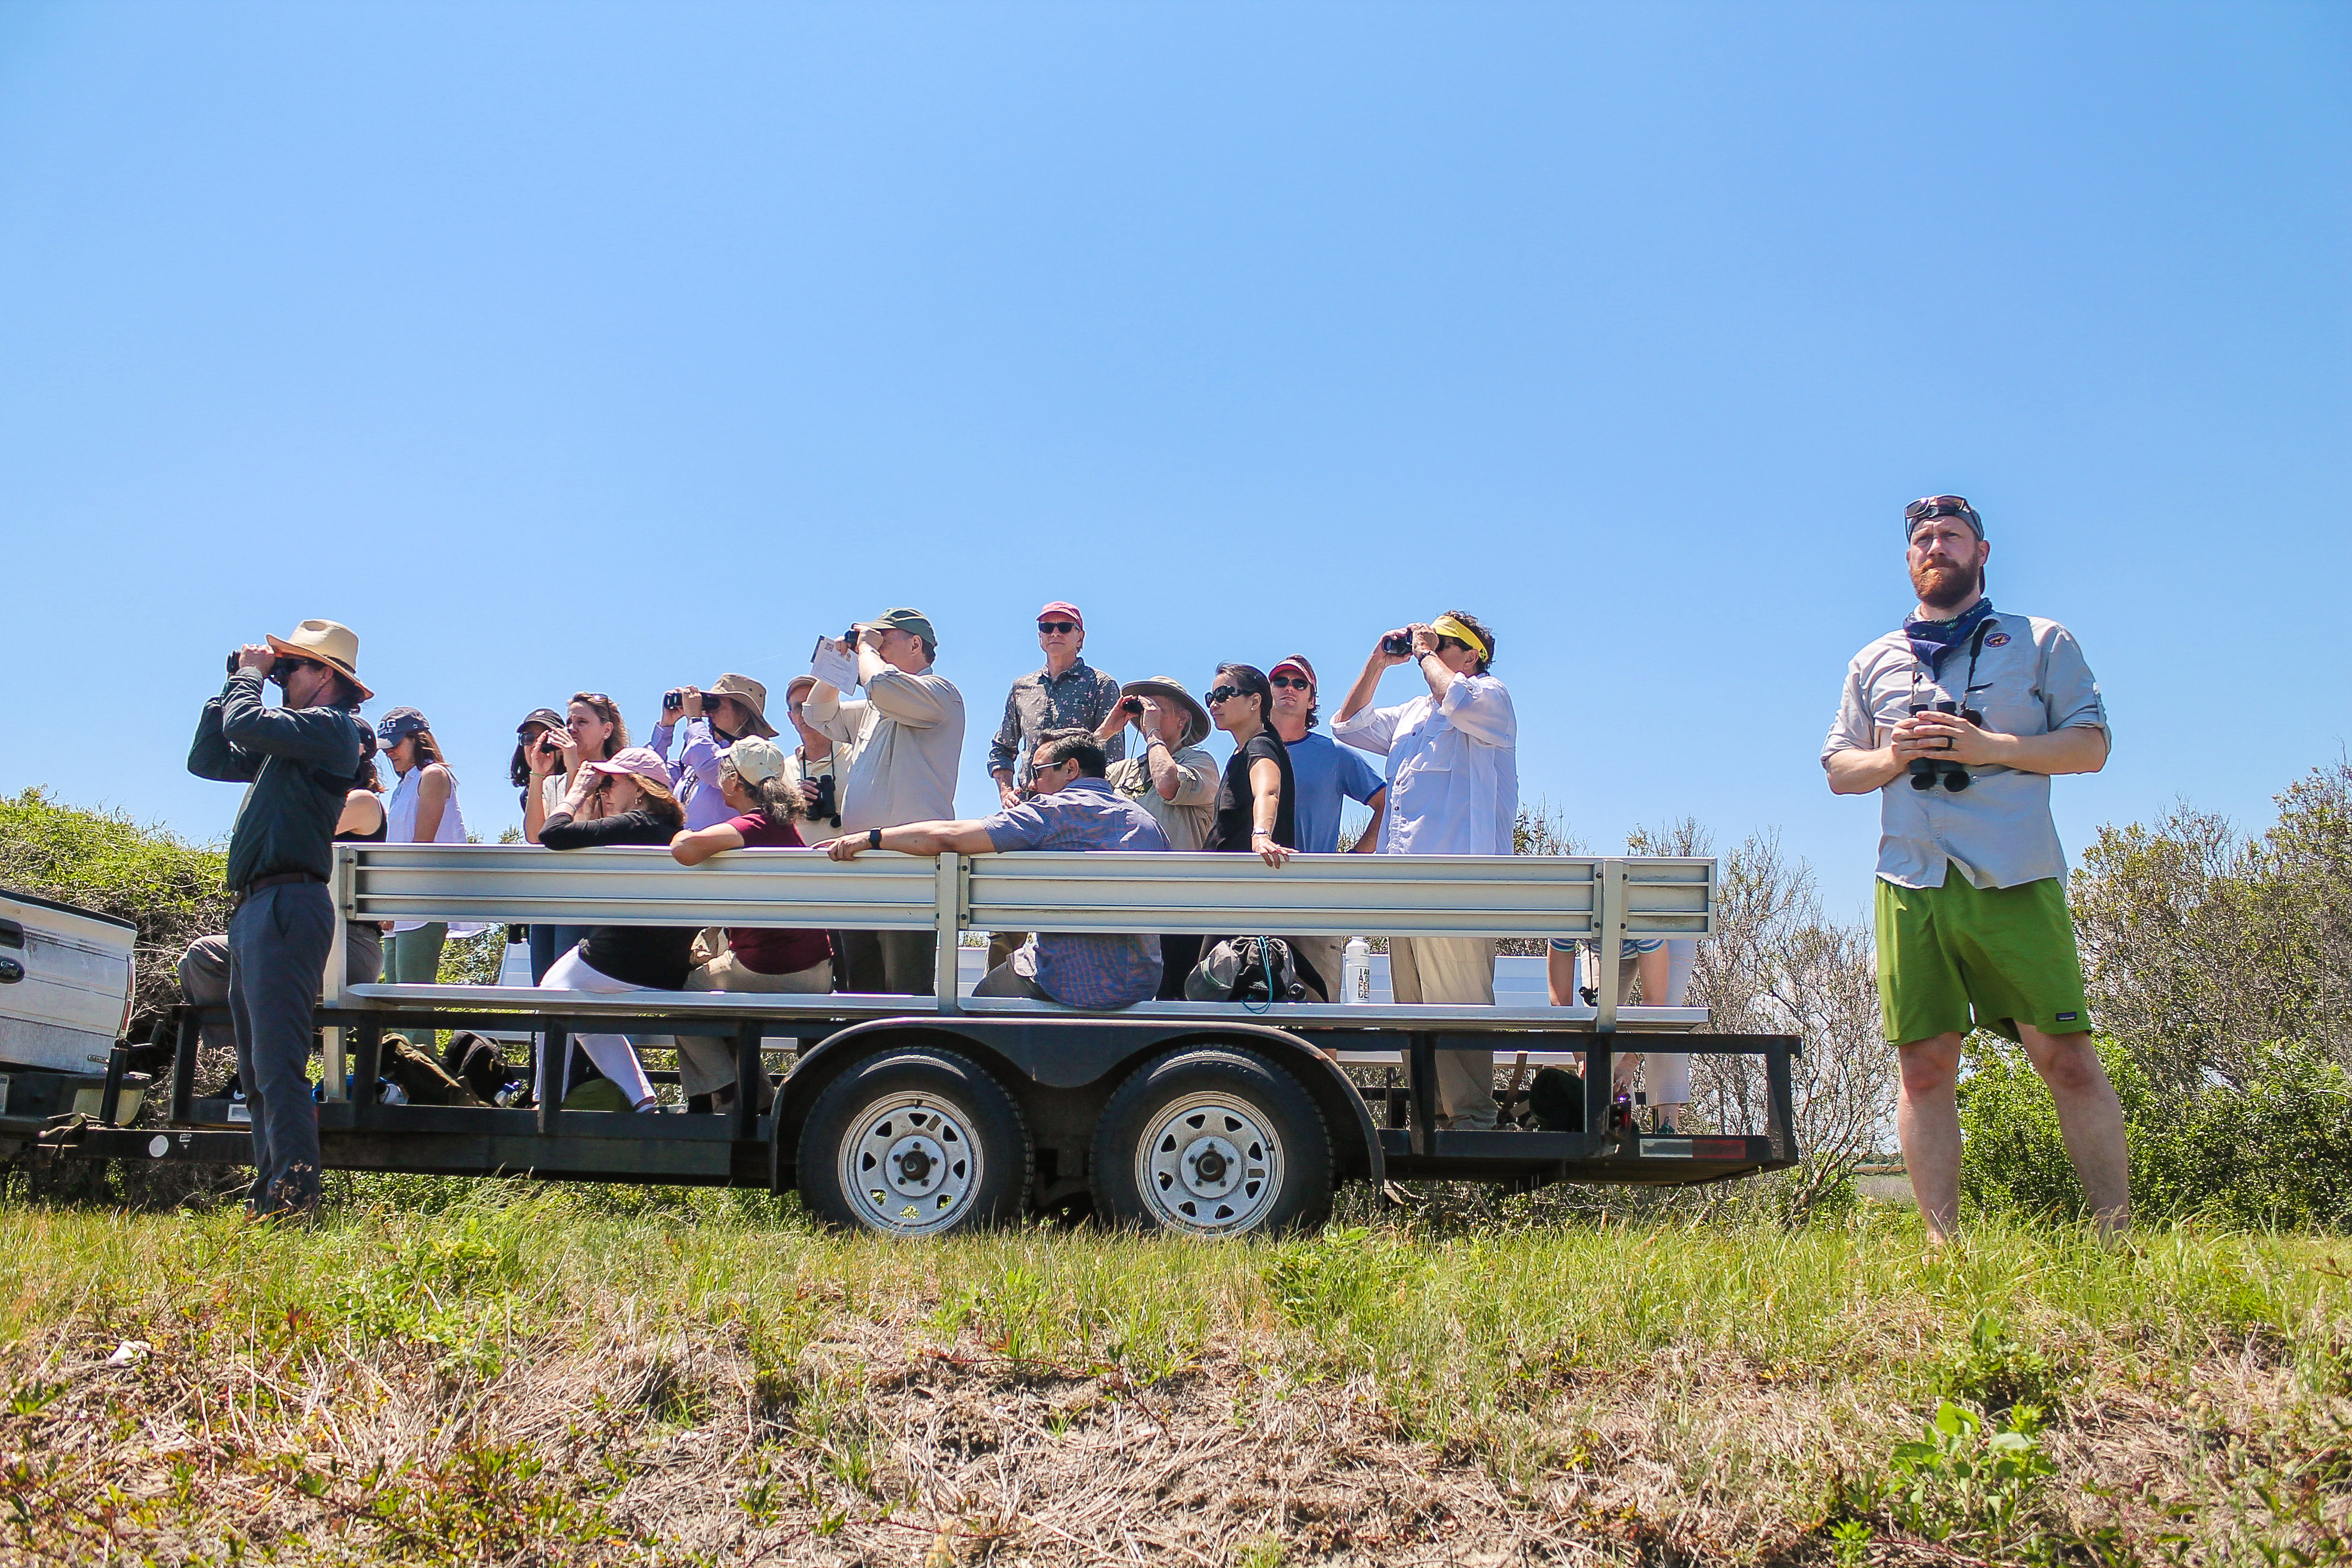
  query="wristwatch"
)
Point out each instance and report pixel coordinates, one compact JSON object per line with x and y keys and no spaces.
{"x":874,"y":839}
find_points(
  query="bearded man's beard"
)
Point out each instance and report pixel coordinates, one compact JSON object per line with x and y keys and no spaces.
{"x":1945,"y":585}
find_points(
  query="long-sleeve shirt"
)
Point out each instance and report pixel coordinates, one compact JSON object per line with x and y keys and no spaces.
{"x":301,"y":763}
{"x":906,"y":741}
{"x":1083,"y":969}
{"x":1453,"y":771}
{"x":694,"y":774}
{"x":2029,"y":678}
{"x":1184,"y":819}
{"x":1080,"y":698}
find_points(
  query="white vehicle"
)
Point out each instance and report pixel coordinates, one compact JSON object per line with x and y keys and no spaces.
{"x":64,"y":996}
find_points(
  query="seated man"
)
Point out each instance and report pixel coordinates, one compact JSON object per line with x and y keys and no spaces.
{"x":1072,"y":807}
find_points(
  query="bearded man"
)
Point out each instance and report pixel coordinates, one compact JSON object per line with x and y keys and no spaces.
{"x":1960,"y":719}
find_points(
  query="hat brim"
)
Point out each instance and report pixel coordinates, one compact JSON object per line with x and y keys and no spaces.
{"x":367,"y":694}
{"x":1196,"y":718}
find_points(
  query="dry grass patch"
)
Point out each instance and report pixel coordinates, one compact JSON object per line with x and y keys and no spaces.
{"x":528,"y":1376}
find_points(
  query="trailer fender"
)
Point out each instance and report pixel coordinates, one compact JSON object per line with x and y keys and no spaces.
{"x":1033,"y":1053}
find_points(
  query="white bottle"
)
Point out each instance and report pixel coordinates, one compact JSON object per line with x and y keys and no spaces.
{"x":1356,"y":971}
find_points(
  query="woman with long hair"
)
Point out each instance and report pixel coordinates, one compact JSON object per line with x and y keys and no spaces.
{"x":753,"y":779}
{"x":423,"y":810}
{"x":1256,"y":808}
{"x":624,"y":800}
{"x":588,"y":731}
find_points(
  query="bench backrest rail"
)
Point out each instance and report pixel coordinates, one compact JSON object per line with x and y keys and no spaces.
{"x":1602,"y":898}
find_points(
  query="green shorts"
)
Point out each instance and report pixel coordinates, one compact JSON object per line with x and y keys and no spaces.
{"x":1960,"y":957}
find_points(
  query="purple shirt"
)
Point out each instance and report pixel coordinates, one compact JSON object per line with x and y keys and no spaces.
{"x":694,"y":777}
{"x":1090,"y":970}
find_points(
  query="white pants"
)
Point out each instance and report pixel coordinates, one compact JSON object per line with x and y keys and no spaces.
{"x":1458,"y":970}
{"x":612,"y":1054}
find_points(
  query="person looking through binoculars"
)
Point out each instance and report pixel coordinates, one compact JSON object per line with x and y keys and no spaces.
{"x":713,"y":719}
{"x":1959,"y":720}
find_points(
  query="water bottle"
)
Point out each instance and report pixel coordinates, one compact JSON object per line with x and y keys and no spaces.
{"x":1356,"y":971}
{"x":511,"y":1093}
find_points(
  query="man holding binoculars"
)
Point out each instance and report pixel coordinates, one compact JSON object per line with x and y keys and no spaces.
{"x":297,"y":761}
{"x":1959,"y":720}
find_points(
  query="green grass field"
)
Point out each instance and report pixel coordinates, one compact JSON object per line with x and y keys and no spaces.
{"x":444,"y":1373}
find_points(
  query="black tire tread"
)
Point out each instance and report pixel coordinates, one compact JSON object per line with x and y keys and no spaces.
{"x":856,"y":1085}
{"x":1113,"y":1156}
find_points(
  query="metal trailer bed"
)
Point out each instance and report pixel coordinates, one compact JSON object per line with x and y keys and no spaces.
{"x":924,"y":1114}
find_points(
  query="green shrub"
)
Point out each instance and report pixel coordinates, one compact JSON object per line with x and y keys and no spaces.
{"x":2276,"y":1152}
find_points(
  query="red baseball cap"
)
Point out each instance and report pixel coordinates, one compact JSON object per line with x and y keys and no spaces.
{"x":1062,"y":609}
{"x":1298,"y":661}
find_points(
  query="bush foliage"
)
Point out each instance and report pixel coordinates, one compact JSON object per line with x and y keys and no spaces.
{"x":2273,"y":1150}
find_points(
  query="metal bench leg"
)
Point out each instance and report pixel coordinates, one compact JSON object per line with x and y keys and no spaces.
{"x":555,"y":1055}
{"x":365,"y":1071}
{"x":750,"y":1077}
{"x":188,"y":1036}
{"x":1600,"y":1067}
{"x":1421,"y":1074}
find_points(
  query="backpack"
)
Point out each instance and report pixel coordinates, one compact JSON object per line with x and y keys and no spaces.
{"x":1246,"y":969}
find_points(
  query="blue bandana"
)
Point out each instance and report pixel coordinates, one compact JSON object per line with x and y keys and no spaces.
{"x":1933,"y":641}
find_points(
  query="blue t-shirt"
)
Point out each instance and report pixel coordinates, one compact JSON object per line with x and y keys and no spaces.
{"x":1327,"y":776}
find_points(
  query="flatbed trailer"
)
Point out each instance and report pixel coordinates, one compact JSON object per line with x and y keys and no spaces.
{"x":928,"y":1114}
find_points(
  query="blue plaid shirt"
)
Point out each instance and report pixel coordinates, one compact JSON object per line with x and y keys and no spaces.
{"x":1090,"y":970}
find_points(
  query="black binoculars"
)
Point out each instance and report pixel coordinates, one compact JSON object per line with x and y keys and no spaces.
{"x":1925,"y":771}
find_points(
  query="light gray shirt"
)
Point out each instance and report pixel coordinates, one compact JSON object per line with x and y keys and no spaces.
{"x":905,"y":738}
{"x":2031,"y":679}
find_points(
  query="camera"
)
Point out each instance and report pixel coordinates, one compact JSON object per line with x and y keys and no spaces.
{"x":1396,"y":644}
{"x":823,"y":798}
{"x":1925,"y":771}
{"x":1132,"y":706}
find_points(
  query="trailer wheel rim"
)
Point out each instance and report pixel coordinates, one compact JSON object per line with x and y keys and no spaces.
{"x":1210,"y":1163}
{"x":910,"y":1165}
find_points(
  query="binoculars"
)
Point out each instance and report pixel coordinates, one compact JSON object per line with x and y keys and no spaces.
{"x":1927,"y":771}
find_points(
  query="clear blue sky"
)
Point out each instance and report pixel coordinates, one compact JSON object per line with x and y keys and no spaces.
{"x":561,"y":346}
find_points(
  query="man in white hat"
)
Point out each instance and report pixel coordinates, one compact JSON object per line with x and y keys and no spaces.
{"x":297,"y":761}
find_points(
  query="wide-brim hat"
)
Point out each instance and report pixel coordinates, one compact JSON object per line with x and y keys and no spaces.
{"x":751,"y":695}
{"x":332,"y":644}
{"x":1168,"y":689}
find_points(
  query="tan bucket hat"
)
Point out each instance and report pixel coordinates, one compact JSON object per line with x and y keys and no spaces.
{"x":751,"y":695}
{"x":1168,"y":689}
{"x":332,"y":644}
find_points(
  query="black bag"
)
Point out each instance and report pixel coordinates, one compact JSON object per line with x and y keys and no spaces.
{"x":1556,"y":1099}
{"x":479,"y":1065}
{"x":1246,"y":969}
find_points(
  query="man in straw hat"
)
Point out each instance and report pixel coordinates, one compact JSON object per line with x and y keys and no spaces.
{"x":734,"y":706}
{"x":1174,"y":780}
{"x":297,"y":761}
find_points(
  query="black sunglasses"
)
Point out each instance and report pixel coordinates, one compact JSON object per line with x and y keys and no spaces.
{"x":1064,"y":628}
{"x":1225,"y":694}
{"x":287,"y":665}
{"x":1290,"y":683}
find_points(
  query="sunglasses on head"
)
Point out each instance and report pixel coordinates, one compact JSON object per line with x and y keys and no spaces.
{"x":1290,"y":683}
{"x":1060,"y":628}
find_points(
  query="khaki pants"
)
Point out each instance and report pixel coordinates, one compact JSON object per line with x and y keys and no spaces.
{"x":706,"y":1063}
{"x":1323,"y":954}
{"x":1457,"y":971}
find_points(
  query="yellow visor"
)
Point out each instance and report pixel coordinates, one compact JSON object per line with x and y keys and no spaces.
{"x":1447,"y":627}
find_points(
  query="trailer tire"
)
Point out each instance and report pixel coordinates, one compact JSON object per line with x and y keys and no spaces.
{"x":1213,"y":1141}
{"x":921,"y":1141}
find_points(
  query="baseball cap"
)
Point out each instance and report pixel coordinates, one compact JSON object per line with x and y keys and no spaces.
{"x":902,"y":620}
{"x":546,"y":717}
{"x":755,"y":759}
{"x":399,"y":724}
{"x":638,"y":761}
{"x":1062,"y":609}
{"x":1930,"y":506}
{"x":1296,"y":661}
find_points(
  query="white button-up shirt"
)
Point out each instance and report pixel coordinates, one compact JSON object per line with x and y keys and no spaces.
{"x":1453,"y":768}
{"x":2031,"y":679}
